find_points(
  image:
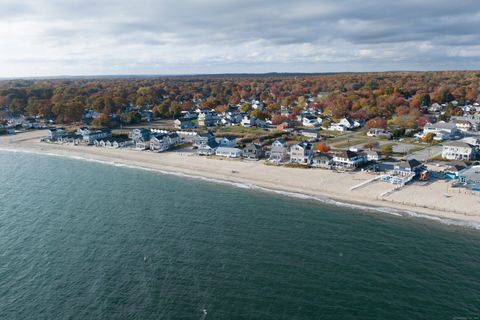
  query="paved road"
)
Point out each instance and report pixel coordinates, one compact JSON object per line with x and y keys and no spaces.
{"x":427,"y":153}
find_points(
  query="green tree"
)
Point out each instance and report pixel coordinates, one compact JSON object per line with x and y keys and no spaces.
{"x":387,"y":149}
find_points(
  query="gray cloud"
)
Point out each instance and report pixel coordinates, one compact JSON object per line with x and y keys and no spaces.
{"x":192,"y":36}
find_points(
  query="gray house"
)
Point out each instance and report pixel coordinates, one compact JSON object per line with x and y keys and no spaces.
{"x":55,"y":134}
{"x":279,"y":151}
{"x":322,"y":160}
{"x":407,"y":167}
{"x":207,"y":149}
{"x":253,"y":151}
{"x":140,"y":133}
{"x":97,"y":135}
{"x":202,"y":139}
{"x":184,"y":123}
{"x":301,"y":153}
{"x":159,"y":142}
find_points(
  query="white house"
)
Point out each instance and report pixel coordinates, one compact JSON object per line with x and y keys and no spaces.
{"x":458,"y":150}
{"x":337,"y":127}
{"x":228,"y":152}
{"x":55,"y":133}
{"x":248,"y":121}
{"x":442,"y":130}
{"x":301,"y":153}
{"x":97,"y":135}
{"x":83,"y":131}
{"x":184,"y":123}
{"x":159,"y":142}
{"x":310,"y":121}
{"x":279,"y":151}
{"x":348,"y":123}
{"x":349,"y":159}
{"x":379,"y":132}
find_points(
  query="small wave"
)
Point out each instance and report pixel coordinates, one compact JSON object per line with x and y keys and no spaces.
{"x":249,"y":186}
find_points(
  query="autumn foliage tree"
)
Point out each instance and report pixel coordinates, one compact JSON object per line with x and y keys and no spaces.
{"x":322,"y":147}
{"x":376,"y":122}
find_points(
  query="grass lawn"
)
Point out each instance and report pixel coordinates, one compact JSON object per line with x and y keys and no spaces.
{"x":242,"y":131}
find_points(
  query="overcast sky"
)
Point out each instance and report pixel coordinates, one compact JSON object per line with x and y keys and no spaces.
{"x":95,"y":37}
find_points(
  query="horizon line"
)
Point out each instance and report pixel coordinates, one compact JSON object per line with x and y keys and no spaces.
{"x":273,"y":73}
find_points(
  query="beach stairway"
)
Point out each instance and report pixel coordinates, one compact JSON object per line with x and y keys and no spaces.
{"x":364,"y":183}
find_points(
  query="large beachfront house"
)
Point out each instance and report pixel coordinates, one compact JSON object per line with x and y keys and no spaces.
{"x":208,"y":148}
{"x":228,"y":152}
{"x":91,"y":136}
{"x":349,"y":159}
{"x":253,"y":151}
{"x":279,"y":151}
{"x":159,"y":142}
{"x":140,"y":133}
{"x":408,"y":167}
{"x":458,"y":150}
{"x":55,"y":134}
{"x":442,"y":130}
{"x":322,"y":160}
{"x":202,"y":139}
{"x":301,"y":153}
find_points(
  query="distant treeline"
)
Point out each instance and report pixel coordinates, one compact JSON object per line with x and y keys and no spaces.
{"x":394,"y":96}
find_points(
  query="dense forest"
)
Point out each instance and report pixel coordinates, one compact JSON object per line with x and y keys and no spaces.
{"x":397,"y":97}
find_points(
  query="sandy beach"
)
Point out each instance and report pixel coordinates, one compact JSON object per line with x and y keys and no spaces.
{"x":415,"y":198}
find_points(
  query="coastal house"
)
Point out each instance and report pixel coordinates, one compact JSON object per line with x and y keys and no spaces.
{"x":206,"y":119}
{"x":140,"y":133}
{"x":202,"y":139}
{"x":408,"y":167}
{"x":207,"y":149}
{"x":228,"y":141}
{"x":470,"y":177}
{"x":142,"y":144}
{"x":348,"y":123}
{"x":55,"y":134}
{"x":472,"y":119}
{"x":83,"y":131}
{"x":463,"y":125}
{"x":442,"y":130}
{"x":248,"y":121}
{"x":458,"y":150}
{"x":30,"y":123}
{"x":97,"y":135}
{"x":228,"y":152}
{"x":253,"y":151}
{"x":372,"y":155}
{"x":322,"y":160}
{"x":159,"y":142}
{"x":454,"y":169}
{"x":301,"y":153}
{"x":349,"y":159}
{"x":310,"y":121}
{"x":379,"y":132}
{"x":184,"y":123}
{"x":174,"y":138}
{"x":279,"y":151}
{"x":337,"y":127}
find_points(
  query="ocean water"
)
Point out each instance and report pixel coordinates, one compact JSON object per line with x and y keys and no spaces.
{"x":83,"y":240}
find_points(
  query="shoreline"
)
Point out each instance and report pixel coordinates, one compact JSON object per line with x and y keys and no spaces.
{"x":278,"y":180}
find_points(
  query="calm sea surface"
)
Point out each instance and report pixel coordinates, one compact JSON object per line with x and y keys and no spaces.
{"x":83,"y":240}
